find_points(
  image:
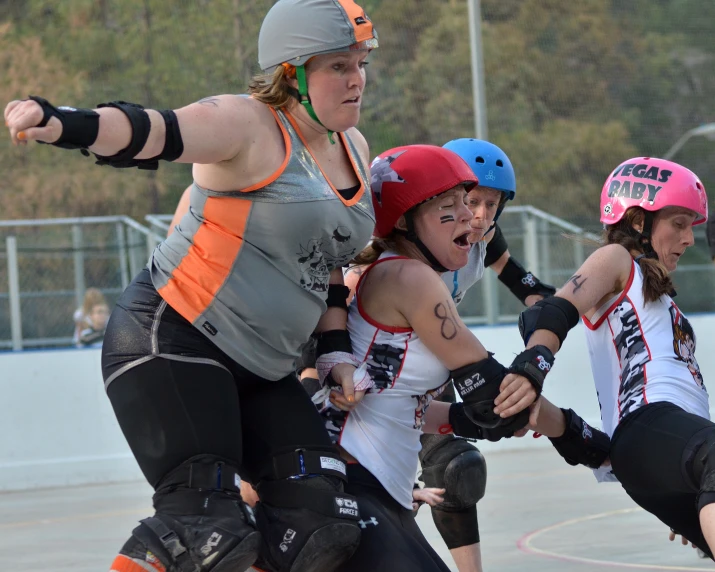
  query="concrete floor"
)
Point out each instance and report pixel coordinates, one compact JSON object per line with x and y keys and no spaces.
{"x":538,"y":514}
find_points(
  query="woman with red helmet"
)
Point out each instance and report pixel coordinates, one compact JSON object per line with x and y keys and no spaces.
{"x":405,"y":328}
{"x":654,"y":404}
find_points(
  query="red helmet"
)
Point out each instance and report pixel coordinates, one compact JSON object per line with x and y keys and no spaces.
{"x":652,"y":184}
{"x":404,"y":177}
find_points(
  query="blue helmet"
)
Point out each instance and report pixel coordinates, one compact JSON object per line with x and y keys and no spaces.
{"x":489,"y":163}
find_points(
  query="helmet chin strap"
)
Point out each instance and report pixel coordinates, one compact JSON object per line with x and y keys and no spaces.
{"x":411,"y":235}
{"x":644,"y":236}
{"x":301,"y":94}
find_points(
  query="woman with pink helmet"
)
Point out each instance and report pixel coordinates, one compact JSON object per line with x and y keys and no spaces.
{"x":654,"y":405}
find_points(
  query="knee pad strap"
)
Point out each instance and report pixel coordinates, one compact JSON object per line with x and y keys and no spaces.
{"x":300,"y":494}
{"x":304,"y":462}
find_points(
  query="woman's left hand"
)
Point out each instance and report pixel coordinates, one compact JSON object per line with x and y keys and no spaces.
{"x":346,"y":398}
{"x":516,"y":393}
{"x":428,"y":495}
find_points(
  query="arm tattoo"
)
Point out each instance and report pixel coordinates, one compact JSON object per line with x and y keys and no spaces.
{"x":209,"y":101}
{"x":449,"y":322}
{"x":576,"y":284}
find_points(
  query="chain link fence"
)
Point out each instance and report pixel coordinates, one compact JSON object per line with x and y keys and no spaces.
{"x":47,"y":266}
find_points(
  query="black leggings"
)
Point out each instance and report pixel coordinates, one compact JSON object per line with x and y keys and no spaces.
{"x":651,"y":453}
{"x":390,"y":539}
{"x":176,"y":395}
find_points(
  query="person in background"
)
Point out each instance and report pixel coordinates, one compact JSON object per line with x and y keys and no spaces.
{"x":92,"y":297}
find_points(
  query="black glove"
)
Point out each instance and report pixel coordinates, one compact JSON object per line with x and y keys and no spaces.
{"x":462,"y":426}
{"x":581,"y":444}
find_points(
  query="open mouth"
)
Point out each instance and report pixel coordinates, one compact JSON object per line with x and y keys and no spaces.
{"x":353,"y":100}
{"x":462,"y":240}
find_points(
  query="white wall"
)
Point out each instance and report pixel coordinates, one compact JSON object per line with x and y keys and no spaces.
{"x":58,"y":428}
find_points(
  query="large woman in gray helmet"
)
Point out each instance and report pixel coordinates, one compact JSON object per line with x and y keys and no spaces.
{"x":198,"y":355}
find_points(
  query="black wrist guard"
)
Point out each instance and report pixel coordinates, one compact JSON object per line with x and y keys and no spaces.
{"x":581,"y":444}
{"x":523,"y":283}
{"x":338,"y":296}
{"x":333,"y":341}
{"x":478,"y":386}
{"x":79,"y":126}
{"x":463,"y":426}
{"x":533,"y":364}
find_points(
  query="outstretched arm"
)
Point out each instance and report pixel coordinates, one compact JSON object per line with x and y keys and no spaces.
{"x":546,"y":324}
{"x":211,"y":130}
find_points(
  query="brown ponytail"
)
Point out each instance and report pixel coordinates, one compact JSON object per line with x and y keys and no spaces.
{"x":377,"y":246}
{"x":656,"y":278}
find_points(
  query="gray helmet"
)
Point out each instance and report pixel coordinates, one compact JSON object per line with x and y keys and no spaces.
{"x":295,"y":30}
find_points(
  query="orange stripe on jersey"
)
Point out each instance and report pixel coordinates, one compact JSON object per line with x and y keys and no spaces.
{"x":358,"y":195}
{"x":360,"y":22}
{"x":201,"y":273}
{"x":125,"y":564}
{"x":279,"y":171}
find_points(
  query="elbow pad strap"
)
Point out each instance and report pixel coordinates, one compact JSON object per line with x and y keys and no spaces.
{"x":141,"y":126}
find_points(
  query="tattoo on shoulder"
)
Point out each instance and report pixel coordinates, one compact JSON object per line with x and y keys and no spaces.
{"x":213,"y":101}
{"x":449,"y":321}
{"x":575,"y":281}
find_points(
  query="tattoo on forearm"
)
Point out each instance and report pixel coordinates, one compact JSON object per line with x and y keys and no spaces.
{"x":576,"y":284}
{"x":446,"y":218}
{"x":449,"y":322}
{"x":209,"y":101}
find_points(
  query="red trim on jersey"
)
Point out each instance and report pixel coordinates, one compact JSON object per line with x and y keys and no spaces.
{"x":618,"y":300}
{"x":361,"y":310}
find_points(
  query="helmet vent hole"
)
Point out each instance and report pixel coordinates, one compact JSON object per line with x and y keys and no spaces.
{"x":699,"y":186}
{"x":500,"y":163}
{"x":480,"y":160}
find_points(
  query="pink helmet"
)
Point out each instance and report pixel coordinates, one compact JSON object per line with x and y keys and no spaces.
{"x":652,"y":184}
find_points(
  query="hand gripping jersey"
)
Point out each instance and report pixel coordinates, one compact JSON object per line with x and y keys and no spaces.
{"x":643,"y":353}
{"x":383,"y":431}
{"x":250,"y":268}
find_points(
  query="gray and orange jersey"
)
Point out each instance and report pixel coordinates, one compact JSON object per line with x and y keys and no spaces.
{"x":250,"y":268}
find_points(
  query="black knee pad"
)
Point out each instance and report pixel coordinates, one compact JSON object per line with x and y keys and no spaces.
{"x":457,"y":527}
{"x":308,"y":523}
{"x":455,"y":465}
{"x":700,"y":465}
{"x":312,"y":527}
{"x":201,"y":523}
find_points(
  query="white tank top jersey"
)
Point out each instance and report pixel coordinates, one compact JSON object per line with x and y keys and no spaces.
{"x":383,"y":431}
{"x":643,"y":353}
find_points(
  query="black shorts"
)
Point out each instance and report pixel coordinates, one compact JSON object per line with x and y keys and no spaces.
{"x":651,"y":454}
{"x":391,"y":539}
{"x":176,"y":395}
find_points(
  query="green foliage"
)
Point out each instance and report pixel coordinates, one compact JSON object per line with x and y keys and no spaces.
{"x":573,"y":86}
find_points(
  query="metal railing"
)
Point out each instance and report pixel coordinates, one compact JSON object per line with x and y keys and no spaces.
{"x":51,"y":262}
